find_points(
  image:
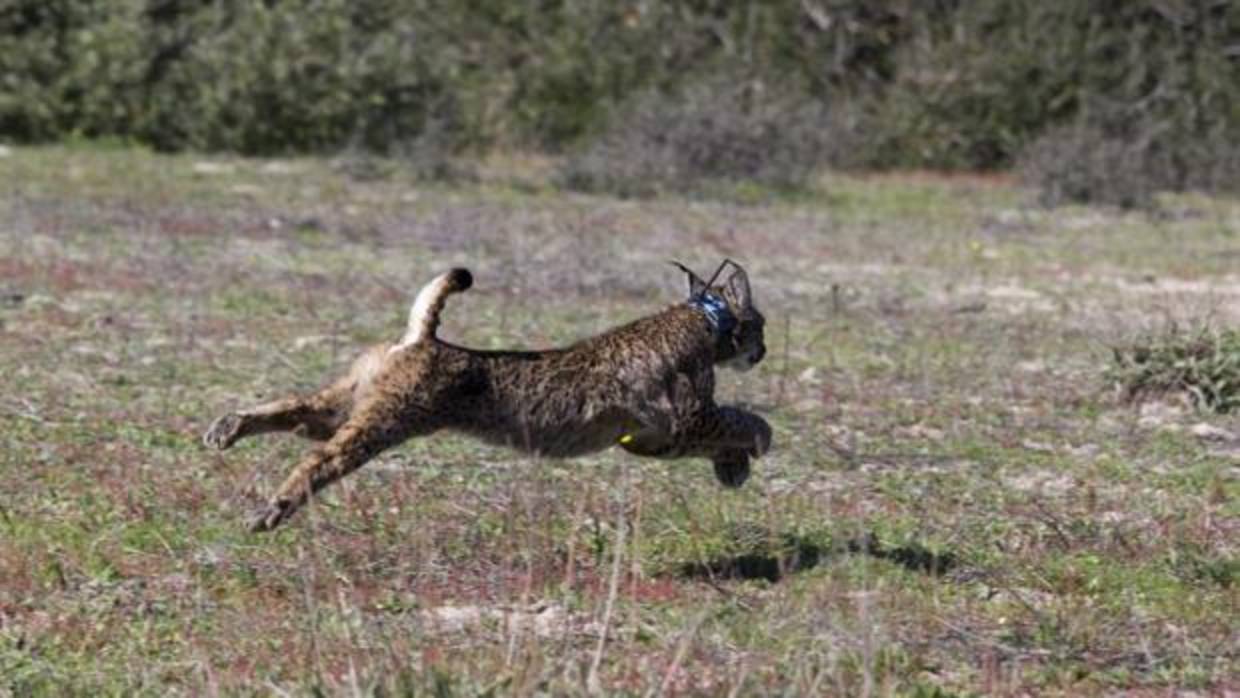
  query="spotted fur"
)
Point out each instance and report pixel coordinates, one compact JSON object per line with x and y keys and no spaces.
{"x":647,"y":386}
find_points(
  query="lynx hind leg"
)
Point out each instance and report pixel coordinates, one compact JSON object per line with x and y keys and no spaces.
{"x":373,"y":428}
{"x":315,"y":417}
{"x":223,"y":432}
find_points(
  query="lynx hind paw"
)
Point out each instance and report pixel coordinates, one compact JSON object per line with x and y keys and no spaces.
{"x":269,"y":516}
{"x":223,"y":432}
{"x":731,"y":468}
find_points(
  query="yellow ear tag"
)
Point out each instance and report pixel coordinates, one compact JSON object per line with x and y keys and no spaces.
{"x":626,"y":438}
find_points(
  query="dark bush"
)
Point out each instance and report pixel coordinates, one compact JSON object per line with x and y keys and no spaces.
{"x":971,"y":93}
{"x":975,"y":91}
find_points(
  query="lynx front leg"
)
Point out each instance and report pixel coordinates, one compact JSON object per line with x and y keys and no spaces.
{"x":710,"y":431}
{"x":316,"y":417}
{"x":732,"y":428}
{"x":731,"y":467}
{"x":729,"y":436}
{"x":371,"y":430}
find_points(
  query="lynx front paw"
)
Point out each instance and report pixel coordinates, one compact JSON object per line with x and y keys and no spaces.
{"x":269,"y":516}
{"x":731,"y":468}
{"x":223,"y":432}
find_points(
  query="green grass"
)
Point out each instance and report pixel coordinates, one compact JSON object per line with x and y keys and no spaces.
{"x":959,"y":502}
{"x":1203,"y":365}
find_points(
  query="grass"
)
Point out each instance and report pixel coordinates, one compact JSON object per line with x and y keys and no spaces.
{"x":958,"y":502}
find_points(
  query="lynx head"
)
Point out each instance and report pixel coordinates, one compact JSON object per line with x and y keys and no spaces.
{"x":729,"y":307}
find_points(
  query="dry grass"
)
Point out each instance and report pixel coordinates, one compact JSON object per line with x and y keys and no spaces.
{"x":957,"y":504}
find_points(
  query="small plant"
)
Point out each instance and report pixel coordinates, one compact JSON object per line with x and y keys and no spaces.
{"x":1205,"y":364}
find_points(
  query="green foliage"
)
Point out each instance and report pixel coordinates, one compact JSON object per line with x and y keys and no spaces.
{"x":59,"y":61}
{"x":1154,"y":92}
{"x":949,"y":83}
{"x":1204,"y":364}
{"x":262,"y":77}
{"x":1010,"y":70}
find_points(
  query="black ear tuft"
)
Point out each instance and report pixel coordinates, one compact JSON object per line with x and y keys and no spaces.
{"x":738,"y":287}
{"x":696,"y":285}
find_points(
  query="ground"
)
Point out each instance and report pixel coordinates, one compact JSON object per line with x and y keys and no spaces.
{"x":958,"y":502}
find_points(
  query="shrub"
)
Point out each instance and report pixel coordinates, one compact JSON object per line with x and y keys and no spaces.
{"x":973,"y":97}
{"x":976,"y":88}
{"x":1155,"y":96}
{"x":1081,"y":164}
{"x":263,"y":76}
{"x":60,"y":64}
{"x":713,"y":133}
{"x":1204,"y":364}
{"x":1085,"y":164}
{"x":255,"y":77}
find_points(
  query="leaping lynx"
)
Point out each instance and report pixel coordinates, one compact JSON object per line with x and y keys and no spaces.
{"x":647,"y":386}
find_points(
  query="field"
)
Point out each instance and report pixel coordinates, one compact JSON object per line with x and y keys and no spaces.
{"x":959,"y":501}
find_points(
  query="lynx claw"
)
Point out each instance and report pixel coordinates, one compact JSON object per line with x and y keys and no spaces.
{"x":223,"y":432}
{"x":269,"y":516}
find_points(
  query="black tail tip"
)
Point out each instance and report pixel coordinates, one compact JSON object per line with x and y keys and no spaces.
{"x":461,"y":279}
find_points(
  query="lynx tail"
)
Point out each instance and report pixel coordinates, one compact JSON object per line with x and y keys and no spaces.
{"x":424,"y":315}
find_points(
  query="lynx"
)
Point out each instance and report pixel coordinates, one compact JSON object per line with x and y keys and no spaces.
{"x":647,"y":386}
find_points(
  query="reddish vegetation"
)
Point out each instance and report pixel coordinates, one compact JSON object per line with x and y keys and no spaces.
{"x":194,"y":224}
{"x":64,"y":276}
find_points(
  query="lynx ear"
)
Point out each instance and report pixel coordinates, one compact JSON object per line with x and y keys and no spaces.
{"x":737,"y":287}
{"x":696,"y":285}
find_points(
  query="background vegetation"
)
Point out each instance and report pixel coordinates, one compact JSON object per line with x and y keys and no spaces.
{"x":900,"y":83}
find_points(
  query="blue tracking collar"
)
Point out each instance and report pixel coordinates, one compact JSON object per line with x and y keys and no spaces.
{"x":716,"y":310}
